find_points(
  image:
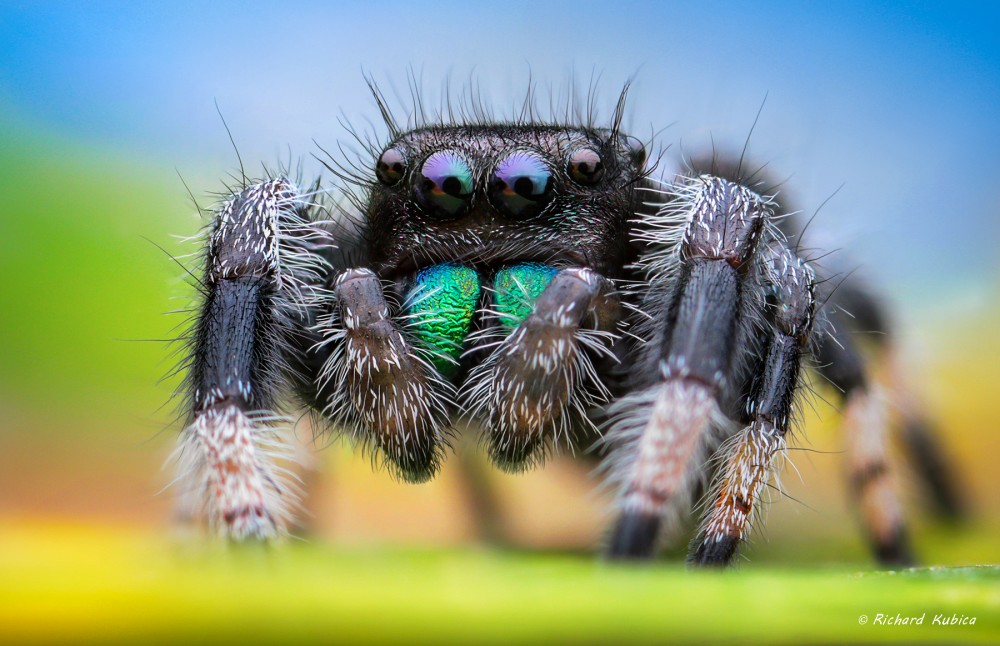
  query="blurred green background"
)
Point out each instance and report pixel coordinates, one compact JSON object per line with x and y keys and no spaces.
{"x":101,"y":106}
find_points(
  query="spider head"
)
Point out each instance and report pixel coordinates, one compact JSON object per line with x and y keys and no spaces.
{"x":489,"y":196}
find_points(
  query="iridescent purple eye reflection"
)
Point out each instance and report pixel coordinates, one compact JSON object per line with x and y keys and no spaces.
{"x":444,"y":187}
{"x":522,"y":185}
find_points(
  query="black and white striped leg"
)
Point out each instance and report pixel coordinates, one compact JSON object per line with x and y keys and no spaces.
{"x":376,"y":383}
{"x":261,"y":264}
{"x":749,"y":460}
{"x":539,"y":382}
{"x":660,"y":433}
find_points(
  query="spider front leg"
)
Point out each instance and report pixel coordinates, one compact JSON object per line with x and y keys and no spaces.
{"x":539,"y":382}
{"x":704,"y":296}
{"x":261,"y":264}
{"x":748,"y":464}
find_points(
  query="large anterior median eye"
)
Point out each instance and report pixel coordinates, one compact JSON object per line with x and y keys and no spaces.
{"x":522,"y":185}
{"x":444,"y":187}
{"x":585,"y":166}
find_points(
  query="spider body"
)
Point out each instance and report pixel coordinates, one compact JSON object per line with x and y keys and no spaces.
{"x":537,"y":281}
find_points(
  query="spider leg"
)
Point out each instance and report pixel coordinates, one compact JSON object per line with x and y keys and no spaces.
{"x":705,"y":295}
{"x":539,"y":382}
{"x":748,"y":465}
{"x":261,"y":261}
{"x":857,"y":310}
{"x":851,"y":310}
{"x":865,"y":427}
{"x":923,"y":447}
{"x":375,"y":382}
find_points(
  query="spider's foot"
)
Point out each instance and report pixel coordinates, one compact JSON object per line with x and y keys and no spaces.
{"x":634,"y":536}
{"x":895,"y":552}
{"x":718,"y":551}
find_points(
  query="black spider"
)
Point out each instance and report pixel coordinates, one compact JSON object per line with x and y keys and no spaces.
{"x":538,"y":280}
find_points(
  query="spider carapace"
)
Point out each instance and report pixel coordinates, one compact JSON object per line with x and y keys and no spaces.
{"x":539,"y":282}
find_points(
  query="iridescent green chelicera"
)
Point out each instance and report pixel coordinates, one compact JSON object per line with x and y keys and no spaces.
{"x":517,"y":287}
{"x":442,"y":303}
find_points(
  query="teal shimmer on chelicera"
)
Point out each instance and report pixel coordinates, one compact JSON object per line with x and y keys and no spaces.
{"x":517,"y":287}
{"x":443,"y":300}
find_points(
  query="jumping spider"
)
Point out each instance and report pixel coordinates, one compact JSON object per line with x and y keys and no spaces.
{"x":536,"y":279}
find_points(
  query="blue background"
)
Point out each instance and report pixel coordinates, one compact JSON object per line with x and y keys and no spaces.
{"x":897,"y":102}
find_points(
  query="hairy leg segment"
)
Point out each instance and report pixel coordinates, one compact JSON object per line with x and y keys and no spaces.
{"x":706,"y":308}
{"x":749,"y":463}
{"x":261,"y":261}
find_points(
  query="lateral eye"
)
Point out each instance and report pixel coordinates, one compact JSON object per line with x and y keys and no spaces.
{"x":586,"y":167}
{"x":444,"y":187}
{"x":391,"y":166}
{"x":636,"y":150}
{"x":522,"y":185}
